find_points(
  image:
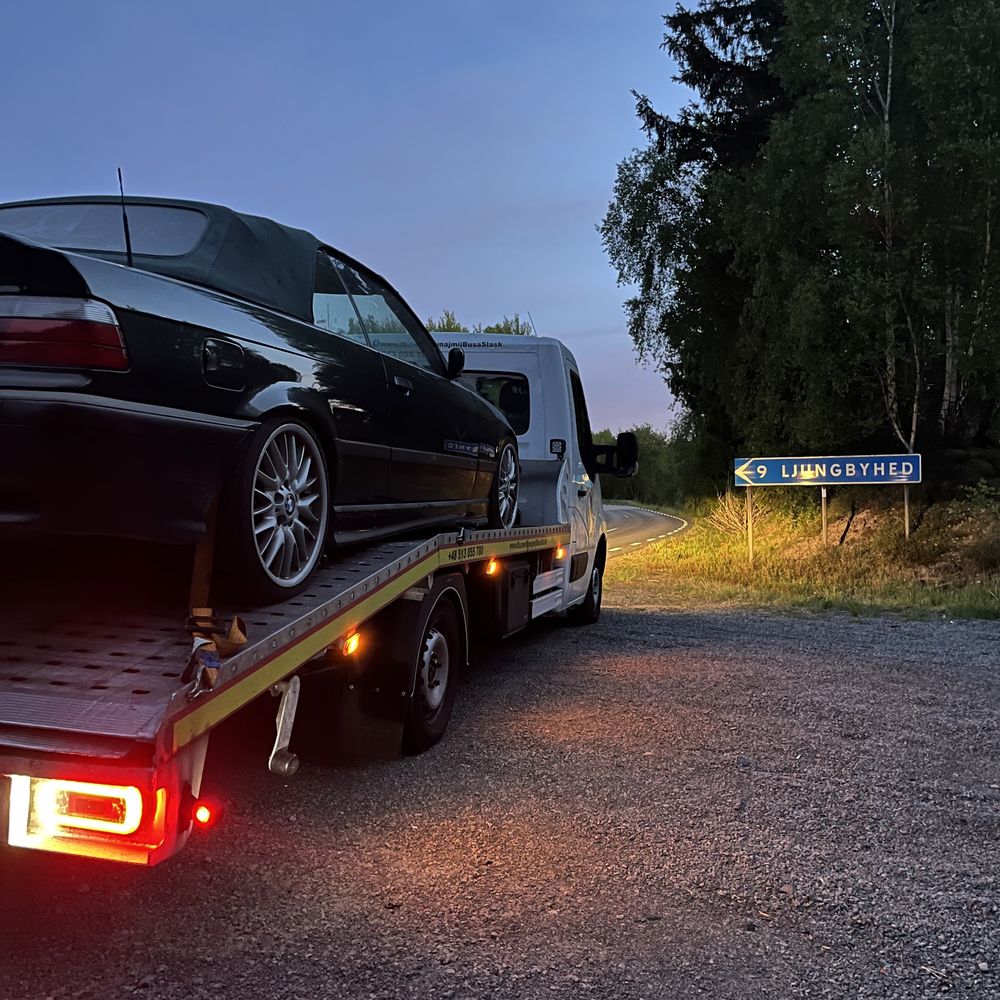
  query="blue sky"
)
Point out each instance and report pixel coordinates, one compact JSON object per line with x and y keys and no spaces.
{"x":464,"y":148}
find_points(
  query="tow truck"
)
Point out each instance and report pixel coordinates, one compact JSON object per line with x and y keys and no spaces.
{"x":110,"y":690}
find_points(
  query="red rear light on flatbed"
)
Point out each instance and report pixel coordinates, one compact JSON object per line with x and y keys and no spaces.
{"x":61,"y":333}
{"x":86,"y":818}
{"x":205,"y":814}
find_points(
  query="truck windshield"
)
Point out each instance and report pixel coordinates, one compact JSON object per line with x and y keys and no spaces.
{"x":507,"y":391}
{"x":156,"y":230}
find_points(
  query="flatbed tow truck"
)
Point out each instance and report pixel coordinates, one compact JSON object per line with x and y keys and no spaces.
{"x":104,"y":724}
{"x":109,"y":692}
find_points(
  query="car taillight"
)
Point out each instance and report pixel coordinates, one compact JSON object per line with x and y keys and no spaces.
{"x":64,"y":333}
{"x":117,"y":822}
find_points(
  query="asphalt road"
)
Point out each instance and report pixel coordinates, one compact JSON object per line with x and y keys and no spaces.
{"x":668,"y":804}
{"x":632,"y":527}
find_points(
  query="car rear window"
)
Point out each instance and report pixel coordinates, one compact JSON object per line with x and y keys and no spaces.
{"x":156,"y":230}
{"x":507,"y":391}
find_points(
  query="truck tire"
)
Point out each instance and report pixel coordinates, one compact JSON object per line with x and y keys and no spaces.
{"x":436,"y":676}
{"x":275,"y":512}
{"x":589,"y":610}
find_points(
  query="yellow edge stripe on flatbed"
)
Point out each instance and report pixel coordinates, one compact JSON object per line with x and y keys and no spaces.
{"x":233,"y":697}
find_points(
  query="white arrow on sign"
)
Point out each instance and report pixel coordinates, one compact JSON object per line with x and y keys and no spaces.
{"x":746,"y":473}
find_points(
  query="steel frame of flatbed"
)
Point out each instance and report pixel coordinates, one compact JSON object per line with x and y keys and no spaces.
{"x":171,"y":717}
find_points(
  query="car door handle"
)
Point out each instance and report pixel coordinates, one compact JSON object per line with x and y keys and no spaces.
{"x":404,"y":385}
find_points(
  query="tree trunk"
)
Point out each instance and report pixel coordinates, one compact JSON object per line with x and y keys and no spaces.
{"x":890,"y":386}
{"x":949,"y":392}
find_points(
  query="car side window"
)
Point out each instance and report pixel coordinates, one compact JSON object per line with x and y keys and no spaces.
{"x":391,"y":327}
{"x":333,"y":309}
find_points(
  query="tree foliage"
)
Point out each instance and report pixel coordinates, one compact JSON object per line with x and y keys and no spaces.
{"x":448,"y":322}
{"x":812,"y":240}
{"x":672,"y":464}
{"x":513,"y":325}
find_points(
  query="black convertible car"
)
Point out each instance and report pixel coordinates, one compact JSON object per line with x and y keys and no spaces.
{"x":195,"y":354}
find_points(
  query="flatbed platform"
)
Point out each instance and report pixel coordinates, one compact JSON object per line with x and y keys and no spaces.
{"x":96,"y":667}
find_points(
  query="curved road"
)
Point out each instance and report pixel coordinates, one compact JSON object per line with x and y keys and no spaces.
{"x":630,"y":528}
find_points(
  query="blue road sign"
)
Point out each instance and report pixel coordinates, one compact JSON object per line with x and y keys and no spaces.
{"x":830,"y":470}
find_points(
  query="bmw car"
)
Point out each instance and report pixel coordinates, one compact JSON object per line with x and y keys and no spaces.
{"x":168,"y":364}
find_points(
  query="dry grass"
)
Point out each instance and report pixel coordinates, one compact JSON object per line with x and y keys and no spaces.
{"x":950,"y":566}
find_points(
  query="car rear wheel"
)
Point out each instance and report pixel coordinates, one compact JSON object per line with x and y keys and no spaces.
{"x":506,"y":487}
{"x":277,"y":511}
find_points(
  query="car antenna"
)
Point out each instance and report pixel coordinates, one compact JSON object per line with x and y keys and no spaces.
{"x":128,"y":236}
{"x":533,"y":330}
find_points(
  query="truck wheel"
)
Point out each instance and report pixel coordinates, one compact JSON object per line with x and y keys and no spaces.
{"x":505,"y":489}
{"x":590,"y":610}
{"x":275,"y":515}
{"x":438,"y":659}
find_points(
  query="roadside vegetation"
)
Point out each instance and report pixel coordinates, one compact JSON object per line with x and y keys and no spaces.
{"x":950,"y":567}
{"x":810,"y":247}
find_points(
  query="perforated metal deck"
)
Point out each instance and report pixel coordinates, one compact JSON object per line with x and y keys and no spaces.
{"x":92,"y":639}
{"x":95,"y":657}
{"x":104,"y":657}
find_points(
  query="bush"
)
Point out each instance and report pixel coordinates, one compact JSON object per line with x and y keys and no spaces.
{"x":729,"y":515}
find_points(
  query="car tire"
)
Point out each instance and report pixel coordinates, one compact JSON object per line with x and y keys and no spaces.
{"x":276,"y":512}
{"x":505,"y":491}
{"x":588,"y":612}
{"x":436,"y":678}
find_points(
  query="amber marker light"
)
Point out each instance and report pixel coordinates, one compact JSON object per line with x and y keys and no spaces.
{"x":560,"y":552}
{"x":492,"y":567}
{"x":352,"y":644}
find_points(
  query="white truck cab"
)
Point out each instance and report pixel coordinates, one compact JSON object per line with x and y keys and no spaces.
{"x":535,"y":382}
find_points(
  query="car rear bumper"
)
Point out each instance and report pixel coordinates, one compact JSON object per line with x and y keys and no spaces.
{"x":88,"y":465}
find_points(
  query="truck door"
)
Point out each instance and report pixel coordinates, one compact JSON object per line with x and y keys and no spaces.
{"x":585,"y":495}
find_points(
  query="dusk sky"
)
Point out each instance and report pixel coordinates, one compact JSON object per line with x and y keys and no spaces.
{"x":464,"y":148}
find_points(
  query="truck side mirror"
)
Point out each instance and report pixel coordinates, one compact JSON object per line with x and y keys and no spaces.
{"x":620,"y":459}
{"x":456,"y":362}
{"x":626,"y":455}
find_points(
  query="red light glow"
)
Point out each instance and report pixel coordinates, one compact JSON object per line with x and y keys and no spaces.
{"x":204,"y":815}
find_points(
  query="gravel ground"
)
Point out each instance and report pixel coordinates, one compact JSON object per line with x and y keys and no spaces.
{"x":670,"y":804}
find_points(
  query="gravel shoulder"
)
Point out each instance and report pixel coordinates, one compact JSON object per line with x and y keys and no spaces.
{"x":673,"y":803}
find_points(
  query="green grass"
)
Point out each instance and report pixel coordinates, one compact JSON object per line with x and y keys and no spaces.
{"x":950,"y":567}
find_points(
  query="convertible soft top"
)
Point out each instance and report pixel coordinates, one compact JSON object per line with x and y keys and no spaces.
{"x":247,"y":256}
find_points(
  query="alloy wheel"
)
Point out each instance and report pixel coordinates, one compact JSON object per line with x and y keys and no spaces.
{"x":507,"y":486}
{"x":289,"y":505}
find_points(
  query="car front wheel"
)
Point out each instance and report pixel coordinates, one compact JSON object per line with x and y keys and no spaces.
{"x":277,"y":511}
{"x":506,"y":488}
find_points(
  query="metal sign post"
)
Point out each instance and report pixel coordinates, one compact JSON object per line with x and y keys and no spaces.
{"x":906,"y":512}
{"x":822,"y":493}
{"x":750,"y":523}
